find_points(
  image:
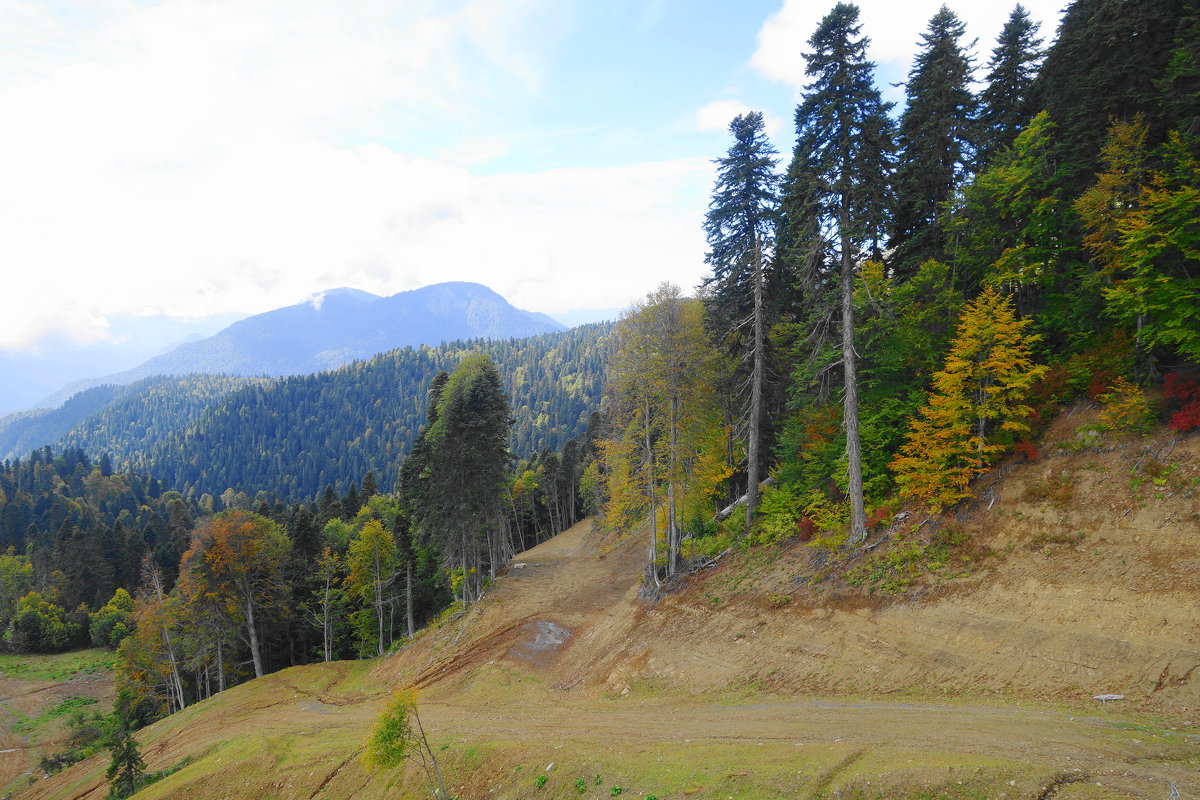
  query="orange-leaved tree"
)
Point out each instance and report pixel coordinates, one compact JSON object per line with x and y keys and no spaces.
{"x":978,"y":400}
{"x":240,"y":556}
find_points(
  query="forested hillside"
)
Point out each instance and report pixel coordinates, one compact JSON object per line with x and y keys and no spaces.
{"x":910,"y":299}
{"x":916,"y":292}
{"x":74,"y":531}
{"x":117,"y":419}
{"x":293,"y":437}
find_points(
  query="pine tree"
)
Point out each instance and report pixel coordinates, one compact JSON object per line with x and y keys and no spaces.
{"x":843,"y":156}
{"x":936,"y":142}
{"x":1005,"y":103}
{"x":740,"y":226}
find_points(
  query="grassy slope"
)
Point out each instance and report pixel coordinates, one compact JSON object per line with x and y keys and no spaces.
{"x":781,"y":673}
{"x":37,"y":694}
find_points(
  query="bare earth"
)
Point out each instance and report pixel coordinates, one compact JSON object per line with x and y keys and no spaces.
{"x":978,"y":687}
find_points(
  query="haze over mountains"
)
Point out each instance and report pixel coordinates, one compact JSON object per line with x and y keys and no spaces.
{"x":29,"y":375}
{"x":334,"y":328}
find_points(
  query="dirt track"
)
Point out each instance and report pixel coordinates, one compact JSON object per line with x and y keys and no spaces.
{"x":978,"y":691}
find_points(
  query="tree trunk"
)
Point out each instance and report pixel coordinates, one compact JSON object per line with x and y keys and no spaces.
{"x":379,"y":608}
{"x":252,"y":629}
{"x":175,"y":683}
{"x":650,"y":494}
{"x":754,"y":435}
{"x":220,"y":662}
{"x":672,"y":511}
{"x":858,"y":515}
{"x":327,"y":622}
{"x":408,"y":598}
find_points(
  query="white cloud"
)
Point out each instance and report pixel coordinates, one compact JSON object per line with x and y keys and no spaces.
{"x":717,"y":115}
{"x":196,"y":156}
{"x":893,"y":28}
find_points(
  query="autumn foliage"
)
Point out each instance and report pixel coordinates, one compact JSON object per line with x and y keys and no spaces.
{"x":976,"y":406}
{"x":1183,"y":391}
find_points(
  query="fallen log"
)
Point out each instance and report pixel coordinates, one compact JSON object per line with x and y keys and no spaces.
{"x":724,"y":513}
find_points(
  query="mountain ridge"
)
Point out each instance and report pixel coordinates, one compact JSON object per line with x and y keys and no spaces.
{"x":334,"y":328}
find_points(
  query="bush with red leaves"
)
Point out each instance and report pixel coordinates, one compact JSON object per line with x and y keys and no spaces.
{"x":1186,"y":418}
{"x":1183,"y":390}
{"x":805,"y":528}
{"x":879,"y":516}
{"x":1028,"y":450}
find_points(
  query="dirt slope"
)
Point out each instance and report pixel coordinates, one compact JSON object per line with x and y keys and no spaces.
{"x":37,"y":693}
{"x":969,"y":687}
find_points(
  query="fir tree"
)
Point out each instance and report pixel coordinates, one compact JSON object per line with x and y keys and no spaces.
{"x":126,"y":768}
{"x":936,"y":141}
{"x":740,"y":226}
{"x":1112,"y":59}
{"x":1005,"y":105}
{"x":459,"y":470}
{"x":842,"y":159}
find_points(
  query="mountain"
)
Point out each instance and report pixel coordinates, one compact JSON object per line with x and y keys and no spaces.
{"x":295,"y":435}
{"x":583,"y":316}
{"x":27,"y":376}
{"x":292,"y":436}
{"x":335,"y":328}
{"x":117,"y":419}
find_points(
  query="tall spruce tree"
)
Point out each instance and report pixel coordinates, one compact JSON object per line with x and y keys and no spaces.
{"x":839,"y":178}
{"x":1005,"y":103}
{"x":936,"y":142}
{"x":1112,"y":59}
{"x":458,"y":472}
{"x":740,"y":226}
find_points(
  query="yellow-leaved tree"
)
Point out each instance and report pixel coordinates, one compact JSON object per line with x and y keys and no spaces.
{"x":978,"y":400}
{"x":664,"y":459}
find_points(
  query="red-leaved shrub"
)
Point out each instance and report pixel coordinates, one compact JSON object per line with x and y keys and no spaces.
{"x":805,"y":528}
{"x":1180,"y":387}
{"x":1028,"y":450}
{"x":879,"y":515}
{"x":1186,"y":418}
{"x":1184,"y":390}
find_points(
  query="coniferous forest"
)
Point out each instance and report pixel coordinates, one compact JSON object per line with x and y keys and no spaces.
{"x":890,"y":309}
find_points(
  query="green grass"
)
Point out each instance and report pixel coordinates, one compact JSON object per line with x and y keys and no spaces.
{"x":57,"y":667}
{"x":27,"y":726}
{"x":908,"y":564}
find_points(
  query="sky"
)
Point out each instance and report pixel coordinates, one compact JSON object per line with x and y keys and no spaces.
{"x":194,"y":157}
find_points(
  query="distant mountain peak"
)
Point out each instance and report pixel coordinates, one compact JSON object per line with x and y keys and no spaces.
{"x":337,"y":326}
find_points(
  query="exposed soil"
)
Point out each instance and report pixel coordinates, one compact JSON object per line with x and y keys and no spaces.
{"x":23,"y":701}
{"x":753,"y":682}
